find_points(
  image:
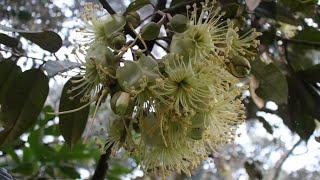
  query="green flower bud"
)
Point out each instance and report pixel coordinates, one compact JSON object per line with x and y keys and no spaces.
{"x":118,"y":40}
{"x":150,"y":31}
{"x":133,"y":18}
{"x":120,"y":102}
{"x":239,"y":66}
{"x":197,"y":126}
{"x":179,"y":23}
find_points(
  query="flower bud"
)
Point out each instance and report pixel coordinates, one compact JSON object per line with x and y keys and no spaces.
{"x":118,"y":40}
{"x":150,"y":31}
{"x":179,"y":23}
{"x":197,"y":126}
{"x":133,"y":18}
{"x":239,"y":66}
{"x":120,"y":102}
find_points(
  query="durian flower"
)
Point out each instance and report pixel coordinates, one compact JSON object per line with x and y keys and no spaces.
{"x":205,"y":34}
{"x":100,"y":28}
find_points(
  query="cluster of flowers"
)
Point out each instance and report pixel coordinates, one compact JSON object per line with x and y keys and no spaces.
{"x":173,"y":112}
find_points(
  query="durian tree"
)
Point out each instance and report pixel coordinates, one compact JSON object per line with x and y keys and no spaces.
{"x":169,"y":113}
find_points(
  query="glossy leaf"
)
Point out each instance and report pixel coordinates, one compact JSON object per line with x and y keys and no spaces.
{"x":72,"y":124}
{"x":23,"y":104}
{"x":272,"y":83}
{"x":8,"y":73}
{"x":47,"y":40}
{"x":303,"y":108}
{"x":8,"y":41}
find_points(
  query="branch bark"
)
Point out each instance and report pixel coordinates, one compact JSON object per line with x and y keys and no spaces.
{"x":283,"y":159}
{"x":107,"y":7}
{"x":298,"y":41}
{"x":103,"y":166}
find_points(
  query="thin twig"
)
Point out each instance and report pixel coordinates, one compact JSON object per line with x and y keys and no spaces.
{"x":283,"y":159}
{"x":107,"y":7}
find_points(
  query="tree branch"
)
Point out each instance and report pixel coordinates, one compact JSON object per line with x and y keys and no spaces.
{"x":297,"y":41}
{"x":283,"y":159}
{"x":107,"y":7}
{"x":102,"y":167}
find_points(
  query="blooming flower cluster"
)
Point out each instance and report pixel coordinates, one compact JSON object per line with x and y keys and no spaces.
{"x":173,"y":112}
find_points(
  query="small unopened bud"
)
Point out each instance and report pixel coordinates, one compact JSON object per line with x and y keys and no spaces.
{"x":150,"y":31}
{"x":133,"y":18}
{"x":118,"y":40}
{"x":179,"y":23}
{"x":197,"y":126}
{"x":239,"y":66}
{"x":120,"y":102}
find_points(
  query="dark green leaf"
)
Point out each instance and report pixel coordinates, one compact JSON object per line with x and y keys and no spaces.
{"x":309,"y":34}
{"x":78,"y":152}
{"x":175,"y":2}
{"x":8,"y":73}
{"x":72,"y":124}
{"x":8,"y":41}
{"x":137,"y":4}
{"x":266,"y":9}
{"x":39,"y":149}
{"x":312,"y":74}
{"x":23,"y":103}
{"x":26,"y":168}
{"x":272,"y":83}
{"x":70,"y":172}
{"x":47,"y":40}
{"x":45,"y":116}
{"x":52,"y":130}
{"x":303,"y":105}
{"x":24,"y":16}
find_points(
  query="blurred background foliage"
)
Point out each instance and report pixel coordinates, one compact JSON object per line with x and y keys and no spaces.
{"x":280,"y":139}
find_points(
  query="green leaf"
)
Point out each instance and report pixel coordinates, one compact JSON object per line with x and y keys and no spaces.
{"x":24,"y":16}
{"x":308,"y":34}
{"x":150,"y":31}
{"x":70,"y":172}
{"x":47,"y":40}
{"x":78,"y":152}
{"x":272,"y":83}
{"x":37,"y":147}
{"x":176,"y":2}
{"x":137,"y":4}
{"x":23,"y":104}
{"x":8,"y":41}
{"x":8,"y":73}
{"x":312,"y":74}
{"x":72,"y":124}
{"x":45,"y":116}
{"x":302,"y":109}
